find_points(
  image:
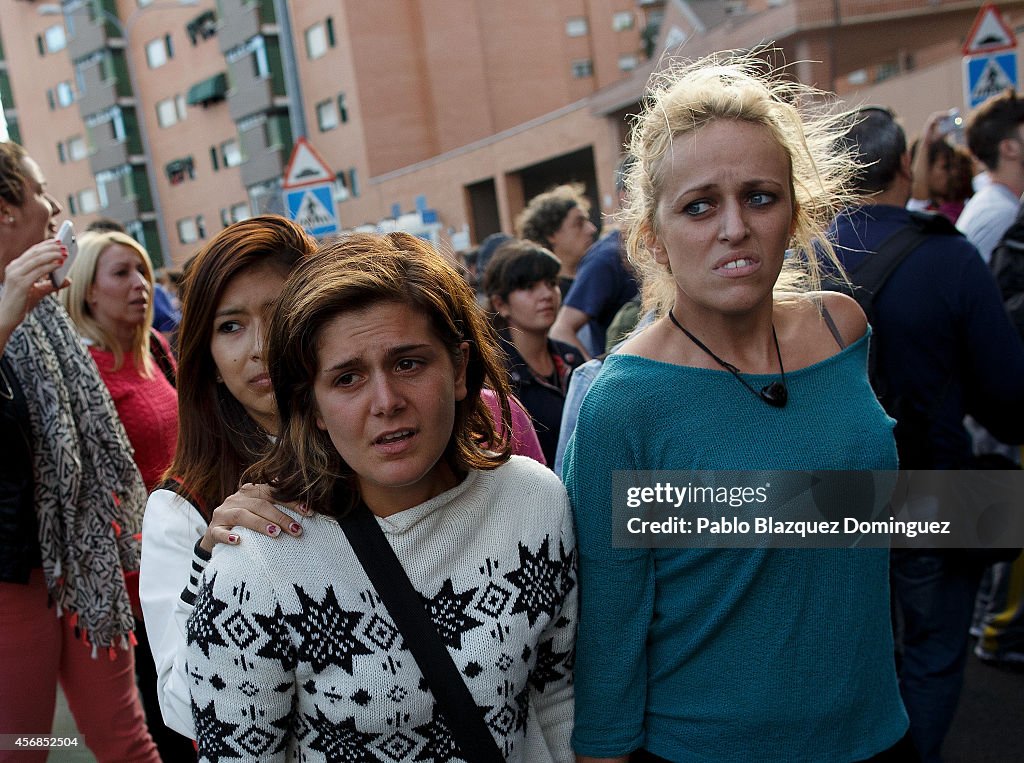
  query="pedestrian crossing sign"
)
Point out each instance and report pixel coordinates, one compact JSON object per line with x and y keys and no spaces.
{"x":987,"y":75}
{"x":312,"y":207}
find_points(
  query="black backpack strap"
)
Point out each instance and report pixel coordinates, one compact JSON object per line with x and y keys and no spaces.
{"x":405,"y":605}
{"x":871,"y":276}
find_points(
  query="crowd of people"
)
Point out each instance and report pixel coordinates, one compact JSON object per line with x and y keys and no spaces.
{"x":380,"y":480}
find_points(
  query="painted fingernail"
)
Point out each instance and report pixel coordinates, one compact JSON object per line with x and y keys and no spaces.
{"x":232,"y":538}
{"x":273,"y":530}
{"x":296,"y":528}
{"x":304,"y":509}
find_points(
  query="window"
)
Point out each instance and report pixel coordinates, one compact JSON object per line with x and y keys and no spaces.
{"x":170,"y":111}
{"x":72,"y":204}
{"x":122,"y":176}
{"x":181,"y":170}
{"x":202,"y":27}
{"x":583,"y":67}
{"x":327,"y":115}
{"x":316,"y":41}
{"x":112,"y":116}
{"x":187,"y":231}
{"x":60,"y":153}
{"x":346,"y":184}
{"x":50,"y":100}
{"x":65,"y":94}
{"x":88,"y":201}
{"x":257,"y":48}
{"x":627,"y":62}
{"x":319,"y":38}
{"x":200,"y":226}
{"x":342,"y":108}
{"x":231,"y":153}
{"x":77,"y":148}
{"x":56,"y":38}
{"x":235,"y":213}
{"x":622,"y":21}
{"x":159,"y":51}
{"x":277,"y":131}
{"x":576,"y":27}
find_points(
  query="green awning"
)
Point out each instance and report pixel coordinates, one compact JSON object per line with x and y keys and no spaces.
{"x":209,"y":90}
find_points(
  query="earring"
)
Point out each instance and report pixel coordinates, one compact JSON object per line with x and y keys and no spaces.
{"x":219,"y":379}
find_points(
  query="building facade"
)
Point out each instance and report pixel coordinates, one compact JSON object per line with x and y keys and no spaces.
{"x":177,"y":117}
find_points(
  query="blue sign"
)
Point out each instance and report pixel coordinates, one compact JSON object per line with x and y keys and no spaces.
{"x":313,"y":208}
{"x":987,"y":75}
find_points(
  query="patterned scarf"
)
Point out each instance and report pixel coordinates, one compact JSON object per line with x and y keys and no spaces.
{"x":89,"y":497}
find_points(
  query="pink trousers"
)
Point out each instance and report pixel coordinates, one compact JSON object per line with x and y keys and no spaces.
{"x":38,"y":649}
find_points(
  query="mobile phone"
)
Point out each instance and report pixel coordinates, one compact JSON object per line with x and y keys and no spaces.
{"x":66,"y":235}
{"x":951,"y":123}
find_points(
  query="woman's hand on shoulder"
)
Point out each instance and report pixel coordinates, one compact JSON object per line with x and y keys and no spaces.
{"x":252,"y":507}
{"x":847,"y":314}
{"x":26,"y":282}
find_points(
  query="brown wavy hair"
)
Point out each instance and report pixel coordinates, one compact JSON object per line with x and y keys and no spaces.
{"x":13,"y":180}
{"x":351,"y":274}
{"x":217,"y":440}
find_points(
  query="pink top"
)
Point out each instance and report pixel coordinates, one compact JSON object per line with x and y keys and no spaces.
{"x":524,"y":436}
{"x":148,"y":409}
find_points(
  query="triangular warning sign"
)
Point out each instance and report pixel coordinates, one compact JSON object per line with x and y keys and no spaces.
{"x":306,"y":167}
{"x":993,"y":81}
{"x":312,"y":213}
{"x":989,"y":33}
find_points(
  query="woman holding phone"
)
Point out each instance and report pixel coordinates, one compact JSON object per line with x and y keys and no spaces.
{"x":71,"y":502}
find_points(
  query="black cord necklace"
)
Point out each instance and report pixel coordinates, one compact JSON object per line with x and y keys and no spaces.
{"x":775,"y":394}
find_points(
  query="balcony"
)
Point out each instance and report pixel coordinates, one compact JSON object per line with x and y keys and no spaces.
{"x":96,"y":91}
{"x":250,"y":93}
{"x":85,"y":33}
{"x":125,"y":192}
{"x":266,"y":153}
{"x":110,"y":154}
{"x":241,"y":20}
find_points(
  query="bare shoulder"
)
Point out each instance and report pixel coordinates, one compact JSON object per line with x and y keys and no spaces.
{"x":847,"y":314}
{"x":805,"y":334}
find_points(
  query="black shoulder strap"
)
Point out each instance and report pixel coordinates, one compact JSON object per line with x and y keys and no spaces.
{"x":870,"y":277}
{"x":405,"y":606}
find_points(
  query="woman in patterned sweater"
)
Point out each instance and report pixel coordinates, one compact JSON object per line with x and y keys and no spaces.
{"x":378,"y":354}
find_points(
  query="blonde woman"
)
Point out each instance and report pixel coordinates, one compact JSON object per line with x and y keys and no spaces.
{"x":110,"y":300}
{"x":732,"y":655}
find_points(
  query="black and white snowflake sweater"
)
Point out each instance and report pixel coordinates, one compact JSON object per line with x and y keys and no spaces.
{"x":292,"y":655}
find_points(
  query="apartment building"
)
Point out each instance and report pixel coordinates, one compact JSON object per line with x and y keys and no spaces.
{"x":177,"y":117}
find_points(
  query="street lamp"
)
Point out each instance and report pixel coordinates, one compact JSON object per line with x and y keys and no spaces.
{"x":125,"y":28}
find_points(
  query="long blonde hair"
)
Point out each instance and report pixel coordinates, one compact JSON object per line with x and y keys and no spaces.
{"x":75,"y":298}
{"x":740,"y":86}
